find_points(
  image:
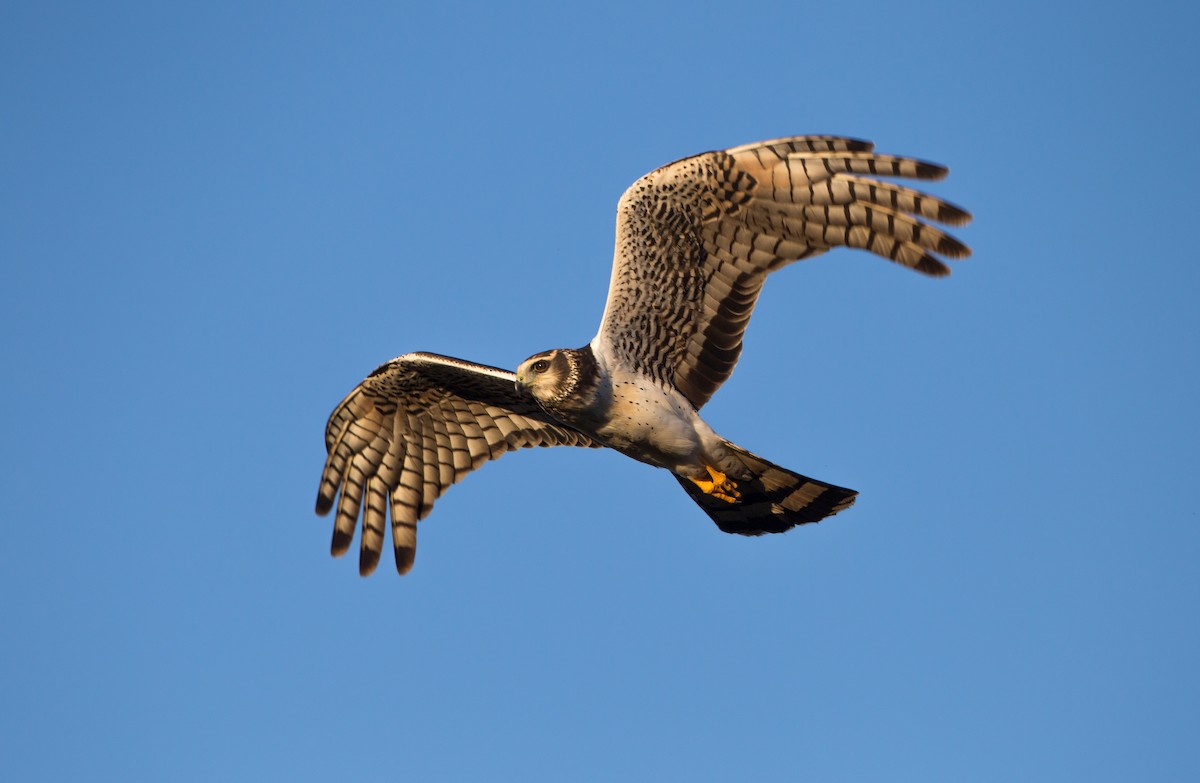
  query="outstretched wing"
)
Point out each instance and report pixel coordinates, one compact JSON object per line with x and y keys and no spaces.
{"x":414,"y":427}
{"x":697,"y":238}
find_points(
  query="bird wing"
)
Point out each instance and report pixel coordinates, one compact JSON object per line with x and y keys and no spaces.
{"x":697,"y":238}
{"x":410,"y":430}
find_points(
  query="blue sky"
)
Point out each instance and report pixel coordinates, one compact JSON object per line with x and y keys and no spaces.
{"x":215,"y":220}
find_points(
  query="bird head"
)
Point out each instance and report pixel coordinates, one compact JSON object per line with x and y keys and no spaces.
{"x":545,"y":375}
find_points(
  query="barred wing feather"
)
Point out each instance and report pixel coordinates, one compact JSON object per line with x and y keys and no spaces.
{"x":407,"y":433}
{"x":697,"y":238}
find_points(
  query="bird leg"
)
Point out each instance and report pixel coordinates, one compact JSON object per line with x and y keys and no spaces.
{"x":720,"y":487}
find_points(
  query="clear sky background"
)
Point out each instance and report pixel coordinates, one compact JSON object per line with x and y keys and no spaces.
{"x":216,"y":219}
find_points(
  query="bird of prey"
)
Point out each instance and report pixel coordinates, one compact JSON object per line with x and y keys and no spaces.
{"x":695,"y":242}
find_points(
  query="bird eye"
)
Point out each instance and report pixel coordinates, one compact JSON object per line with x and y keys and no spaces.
{"x":541,"y":365}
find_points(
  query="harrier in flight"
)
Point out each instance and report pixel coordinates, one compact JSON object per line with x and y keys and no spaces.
{"x":696,"y":240}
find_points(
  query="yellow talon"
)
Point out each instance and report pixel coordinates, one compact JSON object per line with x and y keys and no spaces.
{"x":720,"y":487}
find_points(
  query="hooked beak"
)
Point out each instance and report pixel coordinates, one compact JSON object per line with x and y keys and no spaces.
{"x":519,"y":383}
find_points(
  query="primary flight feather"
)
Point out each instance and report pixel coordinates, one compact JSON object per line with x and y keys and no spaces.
{"x":696,"y":239}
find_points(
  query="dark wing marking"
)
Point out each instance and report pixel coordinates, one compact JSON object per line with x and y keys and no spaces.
{"x":414,"y":427}
{"x":696,"y":240}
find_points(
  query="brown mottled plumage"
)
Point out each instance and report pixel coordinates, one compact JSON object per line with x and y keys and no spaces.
{"x":696,"y":239}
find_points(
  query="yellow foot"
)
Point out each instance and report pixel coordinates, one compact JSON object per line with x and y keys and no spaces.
{"x":720,"y":486}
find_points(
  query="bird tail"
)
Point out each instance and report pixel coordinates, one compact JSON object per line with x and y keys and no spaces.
{"x":772,"y":499}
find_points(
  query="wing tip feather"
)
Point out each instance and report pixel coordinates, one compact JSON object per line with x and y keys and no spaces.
{"x":951,"y":247}
{"x":340,"y":543}
{"x":928,"y":265}
{"x":405,"y":557}
{"x":953,"y":215}
{"x":928,"y":170}
{"x":368,"y":559}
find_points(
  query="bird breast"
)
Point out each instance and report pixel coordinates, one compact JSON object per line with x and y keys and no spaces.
{"x":651,"y":424}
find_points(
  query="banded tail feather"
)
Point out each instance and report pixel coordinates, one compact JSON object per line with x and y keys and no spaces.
{"x":773,"y":499}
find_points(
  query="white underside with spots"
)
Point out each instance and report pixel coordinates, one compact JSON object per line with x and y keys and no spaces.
{"x":655,"y":425}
